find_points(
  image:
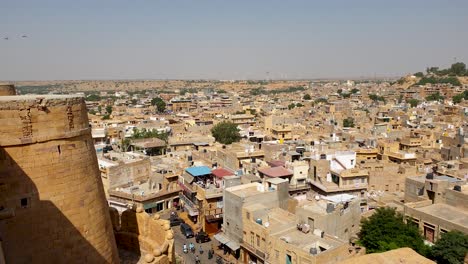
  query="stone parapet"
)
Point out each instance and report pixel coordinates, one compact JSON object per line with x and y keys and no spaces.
{"x":32,"y":119}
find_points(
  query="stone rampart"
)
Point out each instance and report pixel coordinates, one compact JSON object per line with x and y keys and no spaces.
{"x":52,"y":203}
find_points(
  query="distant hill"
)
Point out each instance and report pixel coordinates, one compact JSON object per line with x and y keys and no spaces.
{"x":456,"y":75}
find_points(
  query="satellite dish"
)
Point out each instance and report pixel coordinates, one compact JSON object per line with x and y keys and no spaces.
{"x":267,"y":224}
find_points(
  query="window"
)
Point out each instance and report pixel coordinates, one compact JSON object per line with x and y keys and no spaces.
{"x":247,"y":215}
{"x":352,"y":162}
{"x":159,"y":206}
{"x":24,"y":202}
{"x":252,"y":238}
{"x":258,"y":241}
{"x":363,"y":180}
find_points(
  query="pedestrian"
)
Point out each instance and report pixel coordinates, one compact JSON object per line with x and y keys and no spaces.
{"x":197,"y":260}
{"x":201,"y":250}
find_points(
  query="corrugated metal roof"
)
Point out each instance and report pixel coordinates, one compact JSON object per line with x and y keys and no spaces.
{"x":220,"y":172}
{"x":198,"y":171}
{"x":276,"y":172}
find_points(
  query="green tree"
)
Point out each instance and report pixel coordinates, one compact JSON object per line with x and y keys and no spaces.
{"x":354,"y":90}
{"x":99,"y":108}
{"x":451,"y":248}
{"x":307,"y":97}
{"x":458,"y":69}
{"x":226,"y":132}
{"x":149,"y":133}
{"x":419,"y":74}
{"x":299,"y":105}
{"x":291,"y":106}
{"x":93,"y":97}
{"x":321,"y":100}
{"x":413,"y":102}
{"x":125,"y":144}
{"x":434,"y":97}
{"x":109,"y":109}
{"x":159,"y":103}
{"x":348,"y":122}
{"x":339,"y":91}
{"x":375,"y":98}
{"x":459,"y":97}
{"x":386,"y":230}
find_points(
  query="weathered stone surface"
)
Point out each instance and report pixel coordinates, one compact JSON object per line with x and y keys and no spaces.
{"x":50,"y":179}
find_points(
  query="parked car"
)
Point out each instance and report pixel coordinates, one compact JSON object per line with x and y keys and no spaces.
{"x":186,"y":230}
{"x":202,"y":237}
{"x":175,"y":220}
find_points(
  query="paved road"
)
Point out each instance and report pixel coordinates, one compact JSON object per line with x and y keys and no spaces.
{"x":190,"y":257}
{"x":179,"y":241}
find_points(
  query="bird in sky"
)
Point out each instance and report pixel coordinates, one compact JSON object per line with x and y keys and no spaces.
{"x":5,"y":38}
{"x":24,"y":36}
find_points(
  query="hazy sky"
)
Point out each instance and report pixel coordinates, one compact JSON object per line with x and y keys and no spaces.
{"x":151,"y":39}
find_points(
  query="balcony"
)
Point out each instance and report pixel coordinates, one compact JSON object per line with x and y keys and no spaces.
{"x":189,"y":205}
{"x":214,"y":214}
{"x":208,"y":191}
{"x":254,"y":251}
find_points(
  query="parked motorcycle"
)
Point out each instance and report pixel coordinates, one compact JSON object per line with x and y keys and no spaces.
{"x":185,"y":250}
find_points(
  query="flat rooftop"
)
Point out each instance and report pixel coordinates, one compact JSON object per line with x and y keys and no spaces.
{"x":34,"y":96}
{"x":249,"y":189}
{"x":305,"y":241}
{"x":446,"y":212}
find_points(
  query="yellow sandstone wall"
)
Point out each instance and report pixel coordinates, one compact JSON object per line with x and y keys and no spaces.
{"x":52,"y":203}
{"x":7,"y":89}
{"x":143,"y":234}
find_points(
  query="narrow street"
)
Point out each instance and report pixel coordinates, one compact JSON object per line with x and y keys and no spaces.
{"x":180,"y":240}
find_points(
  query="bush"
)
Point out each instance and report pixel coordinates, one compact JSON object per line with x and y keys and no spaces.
{"x":226,"y":132}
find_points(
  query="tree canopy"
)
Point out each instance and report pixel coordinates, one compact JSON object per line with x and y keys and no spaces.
{"x":348,"y":122}
{"x":434,"y":97}
{"x":386,"y":230}
{"x":307,"y":97}
{"x":375,"y":97}
{"x":149,"y":133}
{"x":459,"y":97}
{"x":450,"y":248}
{"x":159,"y":103}
{"x":413,"y":102}
{"x":226,"y":132}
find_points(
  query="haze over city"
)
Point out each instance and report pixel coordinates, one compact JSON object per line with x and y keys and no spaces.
{"x":233,"y":132}
{"x":228,"y":40}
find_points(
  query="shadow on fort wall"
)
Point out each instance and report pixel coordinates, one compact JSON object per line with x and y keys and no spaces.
{"x":36,"y":231}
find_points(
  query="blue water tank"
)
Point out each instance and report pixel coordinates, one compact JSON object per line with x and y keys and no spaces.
{"x":258,"y":221}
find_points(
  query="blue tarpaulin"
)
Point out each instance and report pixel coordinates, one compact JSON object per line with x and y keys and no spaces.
{"x":198,"y":171}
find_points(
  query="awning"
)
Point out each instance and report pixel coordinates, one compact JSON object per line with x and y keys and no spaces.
{"x":190,"y":210}
{"x":233,"y":245}
{"x":223,"y":239}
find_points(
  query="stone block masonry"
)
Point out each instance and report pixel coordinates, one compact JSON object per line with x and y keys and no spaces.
{"x":52,"y":203}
